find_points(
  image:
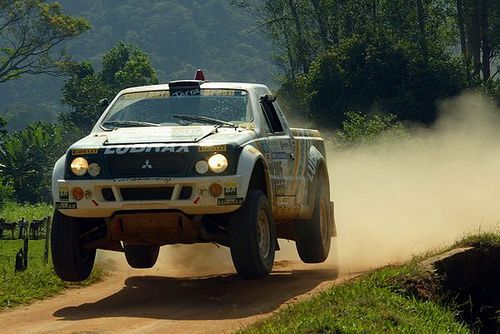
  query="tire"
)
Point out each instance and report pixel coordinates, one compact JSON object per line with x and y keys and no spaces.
{"x":71,"y":262}
{"x":253,"y":237}
{"x":141,"y":256}
{"x":314,"y":236}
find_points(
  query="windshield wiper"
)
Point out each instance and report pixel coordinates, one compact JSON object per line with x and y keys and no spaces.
{"x":205,"y":119}
{"x":125,"y":124}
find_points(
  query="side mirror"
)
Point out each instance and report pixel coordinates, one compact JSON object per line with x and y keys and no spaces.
{"x":268,"y":98}
{"x":104,"y":102}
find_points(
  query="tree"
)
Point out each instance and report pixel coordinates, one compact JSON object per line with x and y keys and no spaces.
{"x":30,"y":31}
{"x":123,"y":66}
{"x":378,"y":73}
{"x":478,"y":22}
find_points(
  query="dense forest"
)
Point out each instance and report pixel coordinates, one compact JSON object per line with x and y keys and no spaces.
{"x":364,"y":67}
{"x":395,"y":57}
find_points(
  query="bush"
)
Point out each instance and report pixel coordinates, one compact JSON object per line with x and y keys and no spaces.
{"x":5,"y":193}
{"x":360,"y":129}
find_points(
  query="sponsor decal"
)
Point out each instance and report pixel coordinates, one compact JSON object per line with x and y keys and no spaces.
{"x":216,"y":148}
{"x":230,"y":189}
{"x":84,"y":151}
{"x":229,"y":201}
{"x":64,"y":194}
{"x":147,"y":149}
{"x":314,"y":158}
{"x":281,"y":155}
{"x":66,"y":205}
{"x":285,"y":201}
{"x":135,"y":179}
{"x":186,"y":93}
{"x":280,"y":189}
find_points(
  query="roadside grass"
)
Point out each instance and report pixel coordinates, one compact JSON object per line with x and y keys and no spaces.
{"x":395,"y":299}
{"x":481,"y":240}
{"x":374,"y":303}
{"x":39,"y":280}
{"x":14,"y":212}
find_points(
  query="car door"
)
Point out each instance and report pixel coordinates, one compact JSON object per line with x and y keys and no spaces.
{"x":282,"y":150}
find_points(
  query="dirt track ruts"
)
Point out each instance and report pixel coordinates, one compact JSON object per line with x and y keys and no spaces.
{"x":132,"y":301}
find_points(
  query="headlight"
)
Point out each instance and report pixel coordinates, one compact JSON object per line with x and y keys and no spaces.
{"x":79,"y":166}
{"x":217,"y":163}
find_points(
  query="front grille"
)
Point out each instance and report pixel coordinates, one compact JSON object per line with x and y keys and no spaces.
{"x":148,"y":164}
{"x":108,"y":195}
{"x":147,"y":194}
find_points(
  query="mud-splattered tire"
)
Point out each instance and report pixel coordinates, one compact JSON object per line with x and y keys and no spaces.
{"x":141,"y":256}
{"x":314,"y":236}
{"x":71,"y":262}
{"x":253,"y":237}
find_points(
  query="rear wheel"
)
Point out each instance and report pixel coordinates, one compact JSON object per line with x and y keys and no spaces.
{"x":253,"y":237}
{"x":314,"y":235}
{"x":71,"y":262}
{"x":141,"y":256}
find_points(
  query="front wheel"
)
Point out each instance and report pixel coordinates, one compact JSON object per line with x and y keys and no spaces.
{"x":71,"y":262}
{"x":253,"y":237}
{"x":141,"y":256}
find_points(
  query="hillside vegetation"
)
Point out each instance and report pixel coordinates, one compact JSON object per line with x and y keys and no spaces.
{"x":180,"y":36}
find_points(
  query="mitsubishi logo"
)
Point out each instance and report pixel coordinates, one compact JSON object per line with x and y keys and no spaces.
{"x":147,"y":165}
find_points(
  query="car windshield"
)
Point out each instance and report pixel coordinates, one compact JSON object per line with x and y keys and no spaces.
{"x":154,"y":108}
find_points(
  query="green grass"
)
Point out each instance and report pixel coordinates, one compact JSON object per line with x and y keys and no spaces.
{"x":37,"y":282}
{"x":481,"y":240}
{"x":395,"y":299}
{"x":14,"y":212}
{"x":375,"y":303}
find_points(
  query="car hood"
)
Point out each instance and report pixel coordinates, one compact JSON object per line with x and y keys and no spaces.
{"x":203,"y":135}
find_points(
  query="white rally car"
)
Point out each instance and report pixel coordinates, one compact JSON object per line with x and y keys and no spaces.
{"x":191,"y":162}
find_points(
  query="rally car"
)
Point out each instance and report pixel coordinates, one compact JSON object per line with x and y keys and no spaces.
{"x":190,"y":162}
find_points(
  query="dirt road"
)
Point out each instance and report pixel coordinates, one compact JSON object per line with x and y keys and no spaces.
{"x":157,"y":301}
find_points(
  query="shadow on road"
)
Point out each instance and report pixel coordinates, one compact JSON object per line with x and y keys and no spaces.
{"x":205,"y":298}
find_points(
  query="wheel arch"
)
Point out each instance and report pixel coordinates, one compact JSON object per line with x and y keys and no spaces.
{"x":255,"y":172}
{"x":57,"y":174}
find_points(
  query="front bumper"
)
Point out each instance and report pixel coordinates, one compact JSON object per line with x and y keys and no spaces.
{"x":94,"y":205}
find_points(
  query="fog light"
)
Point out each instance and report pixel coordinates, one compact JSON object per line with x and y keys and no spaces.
{"x":94,"y":169}
{"x":201,"y":167}
{"x":78,"y":193}
{"x":215,"y":189}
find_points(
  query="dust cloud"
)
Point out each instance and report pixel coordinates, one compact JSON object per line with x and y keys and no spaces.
{"x":394,"y":200}
{"x":420,"y":193}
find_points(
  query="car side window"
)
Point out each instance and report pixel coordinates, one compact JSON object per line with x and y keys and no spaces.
{"x":271,"y":116}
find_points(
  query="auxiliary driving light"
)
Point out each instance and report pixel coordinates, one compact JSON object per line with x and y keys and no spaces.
{"x":79,"y":166}
{"x":78,"y":193}
{"x":215,"y":189}
{"x":217,"y":163}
